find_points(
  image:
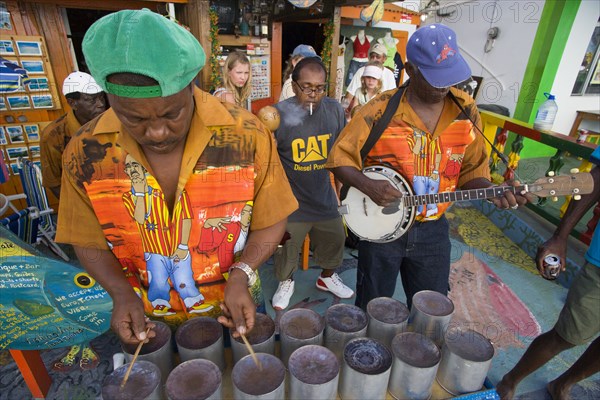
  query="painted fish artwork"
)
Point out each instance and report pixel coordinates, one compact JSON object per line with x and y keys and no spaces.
{"x":487,"y":305}
{"x":47,"y":303}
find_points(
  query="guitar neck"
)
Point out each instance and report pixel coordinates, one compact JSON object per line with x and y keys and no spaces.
{"x":460,"y":195}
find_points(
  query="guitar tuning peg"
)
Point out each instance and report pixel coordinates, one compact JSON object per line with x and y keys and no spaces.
{"x":574,"y":170}
{"x":577,"y":197}
{"x":554,"y":198}
{"x":551,"y":173}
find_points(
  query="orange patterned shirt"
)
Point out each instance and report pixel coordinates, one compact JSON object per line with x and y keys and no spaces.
{"x":230,"y":163}
{"x":453,"y":147}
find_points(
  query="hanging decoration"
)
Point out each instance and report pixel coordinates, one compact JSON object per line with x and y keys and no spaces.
{"x":328,"y":31}
{"x":302,"y":3}
{"x":373,"y":13}
{"x":215,"y":50}
{"x":317,"y":8}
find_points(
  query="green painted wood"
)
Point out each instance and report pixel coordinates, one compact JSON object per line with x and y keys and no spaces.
{"x":549,"y":140}
{"x":550,"y":40}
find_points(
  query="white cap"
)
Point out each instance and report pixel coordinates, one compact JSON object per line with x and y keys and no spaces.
{"x":80,"y":82}
{"x":373,"y":71}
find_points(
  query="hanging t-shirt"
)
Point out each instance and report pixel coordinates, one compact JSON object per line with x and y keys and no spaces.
{"x":398,"y":67}
{"x":361,"y":50}
{"x":391,"y":53}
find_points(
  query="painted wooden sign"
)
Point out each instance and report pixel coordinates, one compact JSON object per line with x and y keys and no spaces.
{"x":47,"y":303}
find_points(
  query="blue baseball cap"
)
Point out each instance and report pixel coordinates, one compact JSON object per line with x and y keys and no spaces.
{"x":305,"y":51}
{"x":434,"y":51}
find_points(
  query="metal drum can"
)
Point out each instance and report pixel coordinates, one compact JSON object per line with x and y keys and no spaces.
{"x":366,"y":368}
{"x":198,"y":379}
{"x":144,"y":383}
{"x":201,"y":337}
{"x":158,"y":350}
{"x":314,"y":373}
{"x":466,"y":359}
{"x":297,"y":328}
{"x":251,"y":382}
{"x":552,"y":265}
{"x":343,"y":323}
{"x":261,"y":338}
{"x":387,"y":318}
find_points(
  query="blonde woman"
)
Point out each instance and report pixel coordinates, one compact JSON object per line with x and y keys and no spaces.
{"x":237,"y":83}
{"x":301,"y":51}
{"x":371,"y":84}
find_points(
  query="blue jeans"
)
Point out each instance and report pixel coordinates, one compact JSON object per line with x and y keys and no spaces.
{"x":352,"y":68}
{"x":161,"y":268}
{"x":421,"y":256}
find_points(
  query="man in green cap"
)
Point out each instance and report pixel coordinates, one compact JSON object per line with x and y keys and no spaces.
{"x":153,"y":188}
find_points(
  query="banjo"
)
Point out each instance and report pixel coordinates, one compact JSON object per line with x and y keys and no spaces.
{"x":374,"y":223}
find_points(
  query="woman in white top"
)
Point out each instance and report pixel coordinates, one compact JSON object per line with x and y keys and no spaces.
{"x":370,"y":84}
{"x":237,"y":83}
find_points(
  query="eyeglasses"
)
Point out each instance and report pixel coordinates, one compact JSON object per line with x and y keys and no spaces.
{"x":93,"y":99}
{"x":309,"y":90}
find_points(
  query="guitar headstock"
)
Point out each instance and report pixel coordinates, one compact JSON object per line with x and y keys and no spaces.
{"x":563,"y":185}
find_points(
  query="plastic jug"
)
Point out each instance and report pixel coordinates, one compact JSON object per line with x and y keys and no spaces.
{"x":546,"y":114}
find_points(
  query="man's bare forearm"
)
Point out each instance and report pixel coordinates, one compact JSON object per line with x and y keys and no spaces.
{"x":577,"y":208}
{"x":262,"y":243}
{"x":104,"y":267}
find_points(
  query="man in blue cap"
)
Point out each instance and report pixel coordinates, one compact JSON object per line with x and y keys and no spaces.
{"x":164,"y":166}
{"x":435,"y":147}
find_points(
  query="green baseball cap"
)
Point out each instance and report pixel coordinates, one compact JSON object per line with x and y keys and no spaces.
{"x":145,"y":43}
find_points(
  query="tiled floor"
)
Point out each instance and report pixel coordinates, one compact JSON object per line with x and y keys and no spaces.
{"x":489,"y":272}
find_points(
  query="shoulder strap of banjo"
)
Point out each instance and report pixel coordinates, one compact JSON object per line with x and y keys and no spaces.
{"x":378,"y":129}
{"x":382,"y":123}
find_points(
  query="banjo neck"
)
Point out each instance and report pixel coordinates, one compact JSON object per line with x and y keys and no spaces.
{"x":374,"y":223}
{"x":460,"y":195}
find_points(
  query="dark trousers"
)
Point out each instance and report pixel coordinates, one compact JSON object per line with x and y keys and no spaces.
{"x":421,"y":256}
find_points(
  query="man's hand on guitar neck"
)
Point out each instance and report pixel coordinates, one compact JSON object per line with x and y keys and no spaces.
{"x":381,"y":192}
{"x":508,"y":200}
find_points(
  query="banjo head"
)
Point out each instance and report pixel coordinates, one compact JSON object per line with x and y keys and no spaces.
{"x":374,"y":223}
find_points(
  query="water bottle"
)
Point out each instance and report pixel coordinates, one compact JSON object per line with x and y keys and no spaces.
{"x":546,"y":114}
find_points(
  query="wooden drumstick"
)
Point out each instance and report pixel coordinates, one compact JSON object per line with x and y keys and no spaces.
{"x":251,"y":351}
{"x":135,"y":355}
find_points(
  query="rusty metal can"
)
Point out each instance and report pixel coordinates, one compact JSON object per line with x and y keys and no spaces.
{"x":552,"y":265}
{"x":583,"y":133}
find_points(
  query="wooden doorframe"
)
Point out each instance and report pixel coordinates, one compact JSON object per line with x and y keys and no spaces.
{"x":402,"y":37}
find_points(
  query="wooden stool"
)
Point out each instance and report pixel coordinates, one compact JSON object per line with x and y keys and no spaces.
{"x":305,"y":253}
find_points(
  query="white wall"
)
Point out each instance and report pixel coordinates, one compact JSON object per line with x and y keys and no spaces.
{"x":583,"y":27}
{"x":504,"y":66}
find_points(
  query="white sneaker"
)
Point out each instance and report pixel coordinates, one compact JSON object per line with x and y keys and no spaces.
{"x":281,"y":298}
{"x":334,"y":285}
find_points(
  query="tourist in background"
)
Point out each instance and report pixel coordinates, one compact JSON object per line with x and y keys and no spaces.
{"x":371,"y":84}
{"x":237,"y":80}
